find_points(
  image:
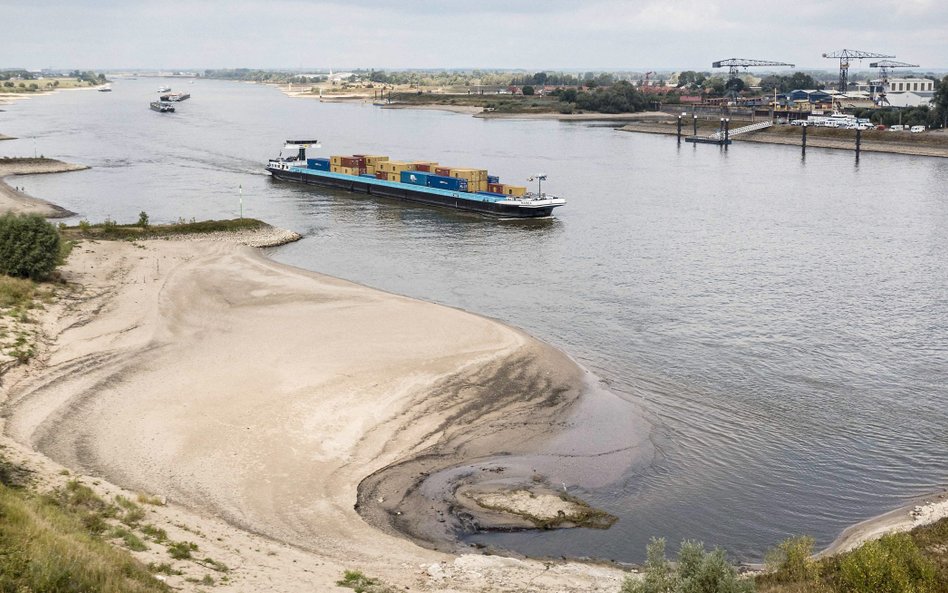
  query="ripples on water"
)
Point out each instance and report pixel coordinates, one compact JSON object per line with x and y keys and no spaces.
{"x":782,"y":322}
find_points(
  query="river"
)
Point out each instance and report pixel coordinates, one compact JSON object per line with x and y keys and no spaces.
{"x":782,"y":322}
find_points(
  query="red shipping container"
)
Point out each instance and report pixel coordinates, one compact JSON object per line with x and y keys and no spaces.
{"x":381,"y":175}
{"x":497,"y":188}
{"x":445,"y":171}
{"x":351,"y":162}
{"x":425,"y":168}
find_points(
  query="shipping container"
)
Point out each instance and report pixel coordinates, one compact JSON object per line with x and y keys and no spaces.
{"x":318,"y":164}
{"x":353,"y":162}
{"x":423,"y":167}
{"x":496,"y":188}
{"x":414,"y":177}
{"x":393,"y":166}
{"x":443,"y":171}
{"x":514,"y":190}
{"x":394,"y":177}
{"x":381,"y":175}
{"x":493,"y":179}
{"x":444,"y":182}
{"x":470,"y":174}
{"x":336,"y":160}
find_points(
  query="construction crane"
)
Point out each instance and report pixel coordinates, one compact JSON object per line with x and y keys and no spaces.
{"x":844,"y":55}
{"x":648,"y":75}
{"x":884,"y":66}
{"x":733,"y":64}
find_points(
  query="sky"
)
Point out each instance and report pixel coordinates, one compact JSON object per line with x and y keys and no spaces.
{"x":509,"y":34}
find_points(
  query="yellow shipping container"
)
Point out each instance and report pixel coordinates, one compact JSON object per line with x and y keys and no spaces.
{"x":337,"y":160}
{"x":394,"y":176}
{"x":473,"y":186}
{"x":393,"y":166}
{"x":470,"y":174}
{"x":374,"y":159}
{"x":514,"y":190}
{"x":345,"y":170}
{"x":370,"y":169}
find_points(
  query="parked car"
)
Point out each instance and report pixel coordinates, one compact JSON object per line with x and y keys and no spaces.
{"x":917,"y":129}
{"x":881,"y":128}
{"x":897,"y":128}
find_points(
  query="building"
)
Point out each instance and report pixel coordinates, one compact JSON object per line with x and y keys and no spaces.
{"x":910,"y":99}
{"x":898,"y":85}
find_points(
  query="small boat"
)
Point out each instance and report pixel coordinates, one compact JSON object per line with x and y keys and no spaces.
{"x":106,"y":89}
{"x":164,"y":89}
{"x":162,"y":106}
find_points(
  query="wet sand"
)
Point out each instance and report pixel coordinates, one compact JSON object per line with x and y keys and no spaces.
{"x":13,"y":200}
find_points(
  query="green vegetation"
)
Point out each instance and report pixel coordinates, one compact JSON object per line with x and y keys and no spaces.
{"x":697,"y":571}
{"x":46,"y":545}
{"x":358,"y":582}
{"x":29,"y":246}
{"x":112,"y":230}
{"x":23,"y":81}
{"x":181,"y":550}
{"x":621,"y":97}
{"x":915,"y":562}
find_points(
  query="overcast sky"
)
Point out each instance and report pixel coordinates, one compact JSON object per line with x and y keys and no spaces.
{"x":550,"y":34}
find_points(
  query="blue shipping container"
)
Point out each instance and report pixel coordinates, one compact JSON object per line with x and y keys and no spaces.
{"x":415,"y":177}
{"x":318,"y":164}
{"x":451,"y":183}
{"x":492,"y":179}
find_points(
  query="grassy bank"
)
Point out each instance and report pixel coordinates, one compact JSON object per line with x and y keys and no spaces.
{"x":497,"y":103}
{"x":50,"y":543}
{"x":143,"y":230}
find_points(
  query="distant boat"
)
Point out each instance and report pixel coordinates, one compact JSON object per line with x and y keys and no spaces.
{"x":175,"y":97}
{"x":164,"y":89}
{"x":106,"y":89}
{"x":162,"y":106}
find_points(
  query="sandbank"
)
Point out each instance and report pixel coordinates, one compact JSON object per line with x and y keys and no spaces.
{"x":13,"y":200}
{"x":256,"y":397}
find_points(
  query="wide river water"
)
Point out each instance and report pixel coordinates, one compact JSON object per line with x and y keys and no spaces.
{"x":783,"y":322}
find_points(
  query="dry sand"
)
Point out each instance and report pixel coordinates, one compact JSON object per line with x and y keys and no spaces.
{"x":256,"y":397}
{"x":922,"y":512}
{"x":13,"y":200}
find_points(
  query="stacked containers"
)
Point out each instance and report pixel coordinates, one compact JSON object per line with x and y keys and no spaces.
{"x":372,"y":162}
{"x":507,"y":190}
{"x":423,"y":166}
{"x":393,"y":169}
{"x":476,"y":178}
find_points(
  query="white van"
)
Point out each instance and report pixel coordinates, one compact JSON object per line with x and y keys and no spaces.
{"x":897,"y":128}
{"x":917,"y":129}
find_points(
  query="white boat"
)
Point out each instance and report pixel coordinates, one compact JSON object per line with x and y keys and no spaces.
{"x":106,"y":89}
{"x":164,"y":89}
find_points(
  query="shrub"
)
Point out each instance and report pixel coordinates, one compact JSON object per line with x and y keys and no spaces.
{"x":29,"y":246}
{"x":790,"y":561}
{"x":892,"y":564}
{"x":698,"y":571}
{"x":143,"y":219}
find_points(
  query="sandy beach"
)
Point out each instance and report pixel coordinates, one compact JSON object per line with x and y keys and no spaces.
{"x":13,"y":200}
{"x":255,"y":398}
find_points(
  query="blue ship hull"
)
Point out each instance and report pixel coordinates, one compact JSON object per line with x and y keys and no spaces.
{"x":458,"y":200}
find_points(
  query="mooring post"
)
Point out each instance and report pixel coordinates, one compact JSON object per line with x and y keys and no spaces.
{"x":679,"y":129}
{"x":727,"y":132}
{"x":858,"y":141}
{"x":804,"y":139}
{"x":694,"y":120}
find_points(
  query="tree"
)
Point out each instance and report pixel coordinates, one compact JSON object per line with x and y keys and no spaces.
{"x":29,"y":246}
{"x":527,"y":90}
{"x":734,"y":85}
{"x":698,"y":571}
{"x":940,"y":102}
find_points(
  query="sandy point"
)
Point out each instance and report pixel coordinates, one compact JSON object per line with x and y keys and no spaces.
{"x":255,"y":397}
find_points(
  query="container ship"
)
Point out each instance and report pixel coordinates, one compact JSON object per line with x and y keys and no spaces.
{"x":162,"y":106}
{"x":175,"y":97}
{"x":425,"y":182}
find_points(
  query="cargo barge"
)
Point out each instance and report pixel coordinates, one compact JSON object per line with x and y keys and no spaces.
{"x":162,"y":107}
{"x":175,"y":97}
{"x":424,"y":182}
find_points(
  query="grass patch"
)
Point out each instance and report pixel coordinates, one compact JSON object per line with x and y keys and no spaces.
{"x":45,"y":546}
{"x":163,"y":568}
{"x":143,"y":498}
{"x":131,"y":541}
{"x":358,"y":582}
{"x":181,"y":550}
{"x":156,"y":533}
{"x":130,"y":232}
{"x":213,"y":564}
